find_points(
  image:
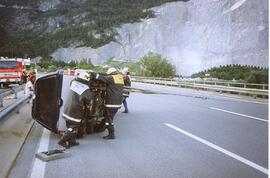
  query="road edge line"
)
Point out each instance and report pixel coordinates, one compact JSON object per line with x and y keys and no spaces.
{"x":38,"y":168}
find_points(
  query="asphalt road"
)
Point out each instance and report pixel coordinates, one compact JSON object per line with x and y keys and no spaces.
{"x":168,"y":133}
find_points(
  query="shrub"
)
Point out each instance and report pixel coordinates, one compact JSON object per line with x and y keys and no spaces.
{"x":153,"y":65}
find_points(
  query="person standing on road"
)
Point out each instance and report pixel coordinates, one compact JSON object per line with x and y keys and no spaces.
{"x":113,"y":99}
{"x":75,"y":109}
{"x":33,"y":73}
{"x":29,"y":86}
{"x":24,"y":77}
{"x":127,"y":84}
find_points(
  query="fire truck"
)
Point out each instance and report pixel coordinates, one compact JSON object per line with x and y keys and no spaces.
{"x":10,"y":71}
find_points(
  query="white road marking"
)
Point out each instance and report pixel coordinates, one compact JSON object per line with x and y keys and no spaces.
{"x":243,"y":115}
{"x":38,"y":169}
{"x":228,"y":153}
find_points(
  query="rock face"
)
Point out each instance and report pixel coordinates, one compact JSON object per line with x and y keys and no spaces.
{"x":193,"y":35}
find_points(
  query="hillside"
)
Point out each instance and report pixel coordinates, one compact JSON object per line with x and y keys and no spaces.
{"x":193,"y":35}
{"x":37,"y":28}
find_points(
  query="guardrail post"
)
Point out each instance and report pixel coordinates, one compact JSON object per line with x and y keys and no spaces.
{"x":1,"y":101}
{"x":15,"y":93}
{"x":245,"y":85}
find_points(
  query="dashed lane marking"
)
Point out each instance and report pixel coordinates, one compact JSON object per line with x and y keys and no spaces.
{"x":222,"y":150}
{"x":238,"y":114}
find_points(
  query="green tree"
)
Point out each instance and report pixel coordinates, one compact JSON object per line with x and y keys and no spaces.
{"x":153,"y":65}
{"x":257,"y":77}
{"x":52,"y":68}
{"x":85,"y":64}
{"x":246,"y":73}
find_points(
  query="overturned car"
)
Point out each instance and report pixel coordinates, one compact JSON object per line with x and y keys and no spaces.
{"x":55,"y":90}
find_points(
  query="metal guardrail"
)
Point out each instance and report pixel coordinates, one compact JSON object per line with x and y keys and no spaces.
{"x":13,"y":106}
{"x":241,"y":88}
{"x":11,"y":91}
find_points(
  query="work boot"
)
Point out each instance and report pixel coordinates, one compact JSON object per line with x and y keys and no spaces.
{"x":65,"y":140}
{"x":72,"y":141}
{"x":64,"y":144}
{"x":110,"y":136}
{"x":67,"y":137}
{"x":126,"y":111}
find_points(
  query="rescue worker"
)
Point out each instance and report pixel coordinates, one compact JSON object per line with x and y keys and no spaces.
{"x":29,"y":87}
{"x":75,"y":109}
{"x":24,"y":77}
{"x":127,"y":84}
{"x":33,"y":74}
{"x":113,"y":98}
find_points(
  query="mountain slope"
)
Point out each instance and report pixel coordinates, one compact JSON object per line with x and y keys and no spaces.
{"x":38,"y":28}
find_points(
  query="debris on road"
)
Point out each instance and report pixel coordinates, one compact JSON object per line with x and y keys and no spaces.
{"x":53,"y":154}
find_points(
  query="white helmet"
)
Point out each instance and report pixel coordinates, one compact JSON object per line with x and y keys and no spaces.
{"x":84,"y":76}
{"x":111,"y":70}
{"x":125,"y":70}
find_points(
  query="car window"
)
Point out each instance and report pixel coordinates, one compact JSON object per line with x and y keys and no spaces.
{"x":8,"y":64}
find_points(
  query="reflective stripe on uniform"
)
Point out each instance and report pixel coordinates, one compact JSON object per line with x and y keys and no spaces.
{"x":109,"y":123}
{"x":71,"y":118}
{"x":113,"y":105}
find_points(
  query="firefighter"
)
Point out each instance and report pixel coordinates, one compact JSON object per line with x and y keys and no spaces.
{"x":113,"y":99}
{"x":75,"y":109}
{"x":33,"y":74}
{"x":29,"y":87}
{"x":24,"y":76}
{"x":127,"y":84}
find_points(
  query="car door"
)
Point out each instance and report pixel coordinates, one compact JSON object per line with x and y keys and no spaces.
{"x":47,"y":101}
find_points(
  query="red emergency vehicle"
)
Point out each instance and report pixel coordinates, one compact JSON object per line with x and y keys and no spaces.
{"x":10,"y":71}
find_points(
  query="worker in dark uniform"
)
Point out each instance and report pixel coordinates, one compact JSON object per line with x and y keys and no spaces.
{"x":23,"y":77}
{"x":32,"y":73}
{"x":126,"y":89}
{"x":76,"y":108}
{"x":113,"y":98}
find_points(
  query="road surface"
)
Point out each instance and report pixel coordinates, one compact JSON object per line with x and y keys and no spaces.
{"x":169,"y":133}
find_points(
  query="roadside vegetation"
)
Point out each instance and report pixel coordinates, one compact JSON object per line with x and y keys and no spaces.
{"x":150,"y":65}
{"x":154,"y":65}
{"x":241,"y":73}
{"x":49,"y":65}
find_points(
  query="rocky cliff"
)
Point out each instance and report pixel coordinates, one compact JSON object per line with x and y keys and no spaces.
{"x":193,"y":35}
